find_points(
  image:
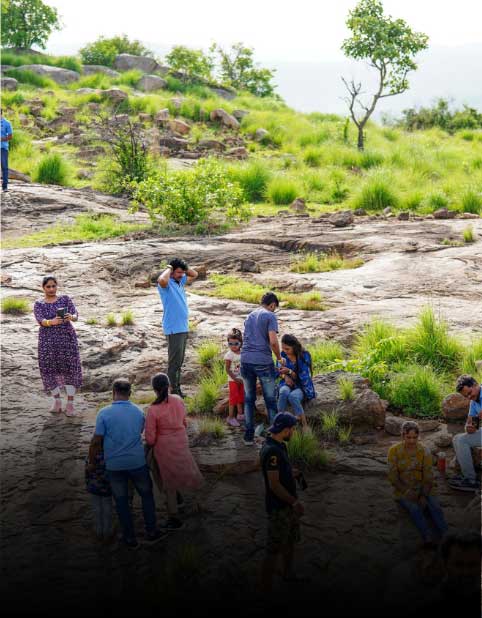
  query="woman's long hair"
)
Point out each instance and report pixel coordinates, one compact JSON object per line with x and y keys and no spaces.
{"x":298,"y":349}
{"x":160,"y":384}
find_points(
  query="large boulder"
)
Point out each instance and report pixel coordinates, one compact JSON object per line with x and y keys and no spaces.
{"x":444,"y":213}
{"x":455,"y":407}
{"x":115,"y":95}
{"x":222,"y":116}
{"x":151,"y":83}
{"x":127,"y":62}
{"x":162,"y":116}
{"x":173,"y":143}
{"x":261,"y":135}
{"x":225,"y":93}
{"x":342,"y":219}
{"x":365,"y":411}
{"x":92,"y":69}
{"x":9,"y":83}
{"x":179,"y":126}
{"x":57,"y":74}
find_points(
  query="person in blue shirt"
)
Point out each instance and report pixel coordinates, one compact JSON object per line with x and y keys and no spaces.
{"x":463,"y":442}
{"x":7,"y":134}
{"x":175,"y":319}
{"x":118,"y":430}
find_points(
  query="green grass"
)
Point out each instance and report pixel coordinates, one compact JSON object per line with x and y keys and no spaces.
{"x":382,"y":336}
{"x":346,"y":389}
{"x":31,"y":78}
{"x":14,"y":305}
{"x":87,"y":227}
{"x":253,"y":179}
{"x":471,"y":354}
{"x":52,"y":170}
{"x":212,"y":427}
{"x":111,"y":320}
{"x":304,"y":450}
{"x":472,"y":202}
{"x":418,"y":391}
{"x":209,"y":390}
{"x":324,"y":354}
{"x":14,"y":59}
{"x":127,"y":318}
{"x":376,"y":194}
{"x":329,"y":423}
{"x":344,"y":435}
{"x":92,"y":321}
{"x":282,"y":191}
{"x":322,"y":262}
{"x":468,"y":234}
{"x":207,"y":352}
{"x":234,"y":288}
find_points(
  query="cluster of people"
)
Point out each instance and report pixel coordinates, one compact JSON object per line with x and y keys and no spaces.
{"x":119,"y":461}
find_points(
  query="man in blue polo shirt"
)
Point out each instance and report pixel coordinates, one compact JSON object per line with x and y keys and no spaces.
{"x":175,"y":320}
{"x":463,"y":442}
{"x":118,"y":431}
{"x":7,"y":134}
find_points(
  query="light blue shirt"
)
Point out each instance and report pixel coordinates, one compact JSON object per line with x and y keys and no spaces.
{"x":476,"y":406}
{"x":6,"y":129}
{"x":121,"y":424}
{"x":174,"y":301}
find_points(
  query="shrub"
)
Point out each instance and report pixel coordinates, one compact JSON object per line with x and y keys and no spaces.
{"x":282,"y":191}
{"x":304,"y":450}
{"x":192,"y":62}
{"x":329,"y":423}
{"x":253,"y":179}
{"x":324,"y":354}
{"x":52,"y":170}
{"x":104,"y":50}
{"x":207,"y":352}
{"x":472,"y":202}
{"x":127,"y":318}
{"x":212,"y":427}
{"x":376,"y":194}
{"x":347,"y":389}
{"x":468,"y":234}
{"x":15,"y":306}
{"x":418,"y":391}
{"x":191,"y":196}
{"x":111,"y":320}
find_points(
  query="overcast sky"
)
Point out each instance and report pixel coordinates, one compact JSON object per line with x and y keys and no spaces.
{"x":305,"y":30}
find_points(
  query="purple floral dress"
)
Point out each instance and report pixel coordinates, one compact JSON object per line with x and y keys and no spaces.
{"x":58,"y":350}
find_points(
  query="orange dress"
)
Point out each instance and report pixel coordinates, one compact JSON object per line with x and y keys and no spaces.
{"x":166,"y":432}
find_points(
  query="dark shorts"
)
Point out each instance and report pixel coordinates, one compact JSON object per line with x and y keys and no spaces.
{"x":283,"y":530}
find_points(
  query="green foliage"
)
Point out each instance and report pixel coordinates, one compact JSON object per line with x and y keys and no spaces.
{"x":239,"y":70}
{"x":381,"y":336}
{"x":208,"y":352}
{"x":304,"y":450}
{"x":191,"y":196}
{"x":26,"y":23}
{"x":191,"y":62}
{"x":324,"y":354}
{"x":127,"y":318}
{"x":29,"y":77}
{"x":344,"y":434}
{"x":282,"y":191}
{"x":322,"y":262}
{"x":347,"y":389}
{"x":212,"y":427}
{"x":471,"y":355}
{"x":253,"y":179}
{"x":440,"y":115}
{"x":472,"y":202}
{"x":312,"y":157}
{"x":14,"y":305}
{"x":92,"y":321}
{"x":111,"y":320}
{"x":418,"y":391}
{"x":329,"y":423}
{"x":52,"y":170}
{"x":468,"y":234}
{"x":104,"y":50}
{"x":376,"y":194}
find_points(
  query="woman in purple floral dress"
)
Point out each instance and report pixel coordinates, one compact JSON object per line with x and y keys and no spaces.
{"x":58,"y":351}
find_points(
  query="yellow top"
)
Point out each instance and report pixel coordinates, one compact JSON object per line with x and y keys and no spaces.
{"x":412,"y":468}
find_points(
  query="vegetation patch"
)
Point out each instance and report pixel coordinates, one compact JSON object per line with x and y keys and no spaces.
{"x":418,"y":391}
{"x":324,"y":354}
{"x":322,"y":262}
{"x":14,"y":305}
{"x":304,"y":450}
{"x":207,"y":352}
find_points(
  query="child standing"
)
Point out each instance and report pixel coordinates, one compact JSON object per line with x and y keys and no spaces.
{"x":98,"y":486}
{"x":166,"y":432}
{"x":232,"y":359}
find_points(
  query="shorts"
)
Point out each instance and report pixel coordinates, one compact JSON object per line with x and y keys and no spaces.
{"x":236,"y":393}
{"x":283,"y":530}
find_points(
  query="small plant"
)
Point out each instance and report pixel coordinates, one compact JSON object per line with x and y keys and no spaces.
{"x":346,"y":389}
{"x":208,"y":352}
{"x":448,"y":242}
{"x":92,"y":321}
{"x":376,"y":194}
{"x":282,"y":191}
{"x":253,"y":180}
{"x":329,"y":423}
{"x":312,"y":157}
{"x":52,"y":170}
{"x":127,"y":318}
{"x":14,"y":305}
{"x":212,"y":427}
{"x":324,"y":354}
{"x":472,"y":202}
{"x":418,"y":391}
{"x":468,"y":234}
{"x":344,"y":435}
{"x":111,"y":320}
{"x":304,"y":449}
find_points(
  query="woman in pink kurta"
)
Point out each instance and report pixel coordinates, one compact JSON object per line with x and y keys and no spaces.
{"x":166,"y":432}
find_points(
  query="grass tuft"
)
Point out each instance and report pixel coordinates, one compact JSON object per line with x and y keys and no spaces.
{"x":322,"y":262}
{"x":127,"y":318}
{"x":418,"y":391}
{"x":468,"y":234}
{"x":329,"y":423}
{"x":376,"y":194}
{"x":212,"y":427}
{"x":52,"y":170}
{"x":14,"y":305}
{"x":472,"y":202}
{"x":111,"y":320}
{"x":324,"y":354}
{"x":207,"y":352}
{"x":346,"y":389}
{"x":344,"y":435}
{"x":282,"y":191}
{"x":304,"y":449}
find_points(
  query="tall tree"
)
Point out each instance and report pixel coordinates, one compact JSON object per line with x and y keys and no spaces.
{"x":28,"y":22}
{"x":389,"y":45}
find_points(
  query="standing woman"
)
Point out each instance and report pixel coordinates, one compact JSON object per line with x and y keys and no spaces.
{"x":58,"y":351}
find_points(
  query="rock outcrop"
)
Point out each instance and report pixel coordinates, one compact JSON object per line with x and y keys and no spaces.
{"x":92,"y":69}
{"x":57,"y":74}
{"x":127,"y":62}
{"x":151,"y":83}
{"x":222,"y":116}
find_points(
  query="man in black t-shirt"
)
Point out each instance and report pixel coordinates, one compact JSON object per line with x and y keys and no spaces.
{"x":282,"y":505}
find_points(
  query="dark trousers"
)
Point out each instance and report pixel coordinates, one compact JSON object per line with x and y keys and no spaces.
{"x":176,"y":350}
{"x":119,"y":481}
{"x":4,"y":168}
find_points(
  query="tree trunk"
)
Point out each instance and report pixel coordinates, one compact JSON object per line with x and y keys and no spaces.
{"x":361,"y":139}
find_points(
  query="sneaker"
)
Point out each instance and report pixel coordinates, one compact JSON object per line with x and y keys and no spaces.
{"x":248,"y":442}
{"x":155,"y":537}
{"x":56,"y":406}
{"x":173,"y":524}
{"x":464,"y":484}
{"x":232,"y":422}
{"x":240,"y":418}
{"x":69,"y":409}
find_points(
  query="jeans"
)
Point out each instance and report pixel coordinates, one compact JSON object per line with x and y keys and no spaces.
{"x":463,"y":442}
{"x":416,"y":513}
{"x":102,"y":507}
{"x":142,"y":482}
{"x":176,"y":349}
{"x":293,"y":397}
{"x":4,"y":152}
{"x":266,"y":375}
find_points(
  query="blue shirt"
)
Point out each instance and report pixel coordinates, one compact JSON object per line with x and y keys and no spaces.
{"x":302,"y":369}
{"x":176,"y":313}
{"x":476,"y":406}
{"x":121,"y":424}
{"x":6,"y":129}
{"x":256,"y":348}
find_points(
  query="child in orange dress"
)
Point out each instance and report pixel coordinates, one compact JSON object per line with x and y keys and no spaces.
{"x":166,"y":432}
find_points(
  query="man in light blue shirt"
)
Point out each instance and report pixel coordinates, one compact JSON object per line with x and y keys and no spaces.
{"x":118,"y":431}
{"x":175,"y":319}
{"x":463,"y":442}
{"x":7,"y":134}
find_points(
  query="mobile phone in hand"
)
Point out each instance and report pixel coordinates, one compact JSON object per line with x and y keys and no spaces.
{"x":61,"y":312}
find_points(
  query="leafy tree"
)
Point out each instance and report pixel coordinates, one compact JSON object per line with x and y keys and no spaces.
{"x":239,"y":71}
{"x":103,"y":51}
{"x":440,"y":115}
{"x":26,"y":23}
{"x":389,"y":45}
{"x":191,"y":62}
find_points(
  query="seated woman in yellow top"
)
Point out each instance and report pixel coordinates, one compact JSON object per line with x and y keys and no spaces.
{"x":410,"y":473}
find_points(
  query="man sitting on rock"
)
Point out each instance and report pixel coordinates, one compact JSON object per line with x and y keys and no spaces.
{"x":463,"y":442}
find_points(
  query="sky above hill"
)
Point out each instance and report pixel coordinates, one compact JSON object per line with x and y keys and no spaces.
{"x":301,"y":40}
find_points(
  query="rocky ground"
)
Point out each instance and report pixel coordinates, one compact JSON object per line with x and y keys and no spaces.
{"x":351,"y":524}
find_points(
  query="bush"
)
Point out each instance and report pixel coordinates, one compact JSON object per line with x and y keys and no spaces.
{"x":282,"y":191}
{"x":207,"y":352}
{"x":324,"y":354}
{"x":15,"y":306}
{"x":52,"y":170}
{"x":192,"y":62}
{"x":376,"y":194}
{"x":304,"y":450}
{"x":191,"y":196}
{"x":472,"y":202}
{"x":253,"y":179}
{"x":418,"y":391}
{"x":103,"y":51}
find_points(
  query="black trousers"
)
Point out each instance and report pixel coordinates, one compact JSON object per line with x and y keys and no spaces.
{"x":176,"y":350}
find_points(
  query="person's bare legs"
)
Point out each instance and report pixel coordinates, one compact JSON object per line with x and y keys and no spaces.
{"x":69,"y":410}
{"x":57,"y":402}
